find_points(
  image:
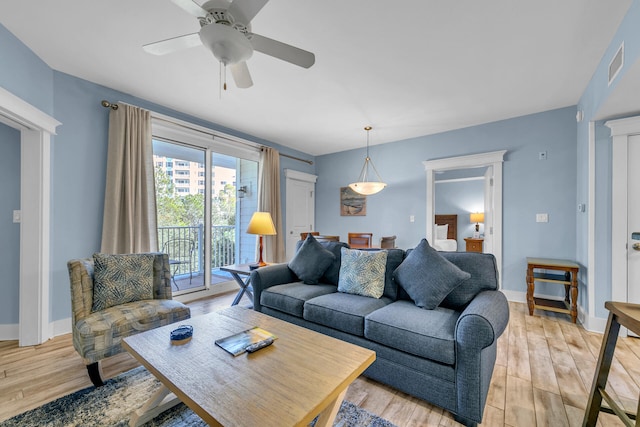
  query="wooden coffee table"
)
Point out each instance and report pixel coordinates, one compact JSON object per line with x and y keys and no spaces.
{"x":303,"y":374}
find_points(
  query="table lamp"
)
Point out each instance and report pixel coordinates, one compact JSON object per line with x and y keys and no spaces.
{"x":262,"y":225}
{"x":477,"y":217}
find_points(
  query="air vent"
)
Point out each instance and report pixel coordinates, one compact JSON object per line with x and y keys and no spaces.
{"x":616,"y":64}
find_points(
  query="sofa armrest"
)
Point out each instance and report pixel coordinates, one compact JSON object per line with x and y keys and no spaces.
{"x":265,"y":277}
{"x":483,"y":320}
{"x":476,"y":334}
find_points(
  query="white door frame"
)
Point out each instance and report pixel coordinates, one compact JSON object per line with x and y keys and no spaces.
{"x":621,"y":130}
{"x":493,"y":159}
{"x":36,"y":128}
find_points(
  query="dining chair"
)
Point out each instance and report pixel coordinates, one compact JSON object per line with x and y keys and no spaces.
{"x":360,"y":240}
{"x":304,"y":234}
{"x":388,"y":242}
{"x":325,"y":238}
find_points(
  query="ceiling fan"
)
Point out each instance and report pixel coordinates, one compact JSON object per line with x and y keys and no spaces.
{"x":226,"y":31}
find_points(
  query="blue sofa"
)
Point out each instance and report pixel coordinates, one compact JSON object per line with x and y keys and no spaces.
{"x":444,"y":355}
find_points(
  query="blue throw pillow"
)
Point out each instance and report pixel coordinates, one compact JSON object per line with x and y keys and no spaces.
{"x":427,"y":276}
{"x":311,"y":261}
{"x":362,"y":272}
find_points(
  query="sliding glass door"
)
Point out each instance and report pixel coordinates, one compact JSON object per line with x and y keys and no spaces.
{"x":206,"y":193}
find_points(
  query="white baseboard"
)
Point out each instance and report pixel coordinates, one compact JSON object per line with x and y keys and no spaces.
{"x":593,"y":324}
{"x":219,"y":288}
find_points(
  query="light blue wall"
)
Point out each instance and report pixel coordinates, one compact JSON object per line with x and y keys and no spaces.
{"x":530,"y":186}
{"x":78,"y":161}
{"x":9,"y":232}
{"x":461,"y":198}
{"x":594,"y":97}
{"x":24,"y":74}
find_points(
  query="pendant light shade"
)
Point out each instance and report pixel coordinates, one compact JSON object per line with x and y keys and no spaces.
{"x":363,"y":185}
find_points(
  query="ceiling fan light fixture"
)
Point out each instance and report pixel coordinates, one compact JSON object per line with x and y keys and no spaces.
{"x":364,"y":186}
{"x":227,"y":44}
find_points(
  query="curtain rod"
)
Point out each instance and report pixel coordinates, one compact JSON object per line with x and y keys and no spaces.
{"x":114,"y":106}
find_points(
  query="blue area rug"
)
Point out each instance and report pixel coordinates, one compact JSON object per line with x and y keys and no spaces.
{"x":112,"y":405}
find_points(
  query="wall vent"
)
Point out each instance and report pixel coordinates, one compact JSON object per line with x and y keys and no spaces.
{"x":616,"y":64}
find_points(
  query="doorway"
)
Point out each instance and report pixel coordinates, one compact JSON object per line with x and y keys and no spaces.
{"x":493,"y":194}
{"x":36,"y":129}
{"x":625,"y":202}
{"x":300,"y":207}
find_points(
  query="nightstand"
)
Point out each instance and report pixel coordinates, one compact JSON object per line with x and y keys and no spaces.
{"x":474,"y":245}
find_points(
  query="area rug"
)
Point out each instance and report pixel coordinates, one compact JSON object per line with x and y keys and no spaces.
{"x":112,"y":405}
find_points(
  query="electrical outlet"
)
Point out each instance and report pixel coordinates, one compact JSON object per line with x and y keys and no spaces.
{"x":542,"y":155}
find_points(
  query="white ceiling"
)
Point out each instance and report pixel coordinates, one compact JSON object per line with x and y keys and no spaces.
{"x":408,"y":68}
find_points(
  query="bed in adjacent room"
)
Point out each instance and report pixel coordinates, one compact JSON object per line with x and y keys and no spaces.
{"x":445,"y":233}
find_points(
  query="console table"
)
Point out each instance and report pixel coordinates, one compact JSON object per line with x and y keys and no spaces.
{"x":563,"y":273}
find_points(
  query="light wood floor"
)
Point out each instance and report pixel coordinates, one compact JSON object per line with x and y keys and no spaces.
{"x":542,"y":376}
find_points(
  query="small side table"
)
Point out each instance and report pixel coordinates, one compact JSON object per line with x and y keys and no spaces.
{"x":474,"y":244}
{"x":242,"y":275}
{"x":627,"y":315}
{"x":568,"y":277}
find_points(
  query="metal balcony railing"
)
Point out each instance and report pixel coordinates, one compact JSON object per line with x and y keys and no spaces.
{"x":185,"y":244}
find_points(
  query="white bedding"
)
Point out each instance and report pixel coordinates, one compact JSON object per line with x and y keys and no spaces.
{"x":449,"y":245}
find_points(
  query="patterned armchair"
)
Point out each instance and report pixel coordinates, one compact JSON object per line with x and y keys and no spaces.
{"x":101,"y":320}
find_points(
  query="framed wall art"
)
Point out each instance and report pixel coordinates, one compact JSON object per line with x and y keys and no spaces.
{"x":352,"y":203}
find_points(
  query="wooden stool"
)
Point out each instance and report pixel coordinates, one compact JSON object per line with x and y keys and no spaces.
{"x":627,"y":315}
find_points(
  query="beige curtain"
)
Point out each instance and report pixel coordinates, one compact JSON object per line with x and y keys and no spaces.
{"x":129,"y":224}
{"x":269,"y":200}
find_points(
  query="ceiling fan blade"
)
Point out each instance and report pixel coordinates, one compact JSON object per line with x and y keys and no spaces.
{"x":282,"y":51}
{"x":191,"y":7}
{"x":246,"y":9}
{"x":241,"y":76}
{"x":173,"y":44}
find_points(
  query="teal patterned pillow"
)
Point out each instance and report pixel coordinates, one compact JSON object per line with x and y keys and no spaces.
{"x":362,"y":272}
{"x":118,"y":279}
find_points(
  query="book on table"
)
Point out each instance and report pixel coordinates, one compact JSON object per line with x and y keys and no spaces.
{"x":237,"y":343}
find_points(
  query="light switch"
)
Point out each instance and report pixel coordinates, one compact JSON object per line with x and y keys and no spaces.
{"x":542,"y":217}
{"x":412,"y":218}
{"x":17,"y":216}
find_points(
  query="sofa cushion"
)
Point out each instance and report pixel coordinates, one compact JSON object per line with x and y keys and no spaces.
{"x":484,"y":276}
{"x":290,"y":297}
{"x":311,"y":261}
{"x":344,"y":312}
{"x":394,"y":259}
{"x":428,"y":277}
{"x":362,"y":273}
{"x":406,"y":327}
{"x":121,"y":278}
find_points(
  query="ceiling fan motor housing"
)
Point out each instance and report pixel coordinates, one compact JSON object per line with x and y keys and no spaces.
{"x":228,"y":45}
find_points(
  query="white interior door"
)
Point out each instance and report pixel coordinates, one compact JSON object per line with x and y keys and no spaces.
{"x":633,"y":220}
{"x":300,"y":210}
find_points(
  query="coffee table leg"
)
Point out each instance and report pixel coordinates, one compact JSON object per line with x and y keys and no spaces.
{"x":326,"y":417}
{"x":159,"y":402}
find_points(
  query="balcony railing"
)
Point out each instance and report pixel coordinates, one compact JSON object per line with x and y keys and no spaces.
{"x":185,"y":244}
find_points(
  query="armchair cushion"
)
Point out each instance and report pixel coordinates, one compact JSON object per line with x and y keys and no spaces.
{"x":122,"y":278}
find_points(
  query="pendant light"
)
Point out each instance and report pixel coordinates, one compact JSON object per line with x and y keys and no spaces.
{"x":363,"y":186}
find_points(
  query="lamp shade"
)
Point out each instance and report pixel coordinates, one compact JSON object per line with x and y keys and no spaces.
{"x":261,"y":223}
{"x":477,"y":217}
